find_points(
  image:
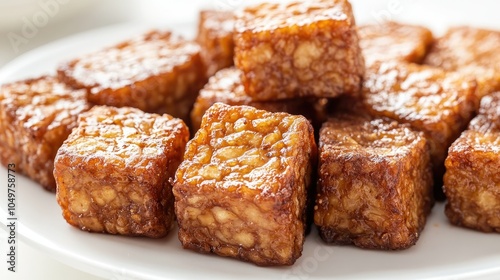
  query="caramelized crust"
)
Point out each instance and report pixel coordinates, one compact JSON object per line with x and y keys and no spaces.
{"x":392,"y":41}
{"x":36,"y":116}
{"x":431,"y":100}
{"x":156,"y":72}
{"x":241,"y":190}
{"x":226,"y":87}
{"x":472,"y":51}
{"x":375,"y":183}
{"x":113,"y":171}
{"x":215,"y":36}
{"x":303,"y":48}
{"x":463,"y":45}
{"x":472,"y":178}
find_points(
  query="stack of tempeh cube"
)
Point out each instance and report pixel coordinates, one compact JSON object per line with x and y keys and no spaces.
{"x":242,"y":189}
{"x":383,"y":147}
{"x":309,"y":52}
{"x":386,"y":102}
{"x":112,"y":172}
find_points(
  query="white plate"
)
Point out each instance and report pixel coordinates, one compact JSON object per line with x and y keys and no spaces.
{"x":443,"y":251}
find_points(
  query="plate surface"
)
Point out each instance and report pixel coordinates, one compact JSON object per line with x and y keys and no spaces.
{"x":442,"y":252}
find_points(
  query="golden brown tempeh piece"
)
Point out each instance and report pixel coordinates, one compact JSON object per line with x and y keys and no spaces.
{"x":156,"y":72}
{"x":298,"y":49}
{"x":375,"y":183}
{"x":242,"y":187}
{"x":472,"y":178}
{"x":36,"y":116}
{"x":113,"y":171}
{"x":393,"y":41}
{"x":472,"y":51}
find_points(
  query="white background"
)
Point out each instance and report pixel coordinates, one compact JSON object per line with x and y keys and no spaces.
{"x":74,"y":17}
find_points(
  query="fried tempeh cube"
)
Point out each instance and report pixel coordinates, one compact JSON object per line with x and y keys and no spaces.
{"x":375,"y":183}
{"x":113,"y":171}
{"x":215,"y":36}
{"x":390,"y":41}
{"x":241,"y":190}
{"x":431,"y":100}
{"x":470,"y":50}
{"x":156,"y":72}
{"x":36,"y":116}
{"x":226,"y":87}
{"x":303,"y":48}
{"x":472,"y":178}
